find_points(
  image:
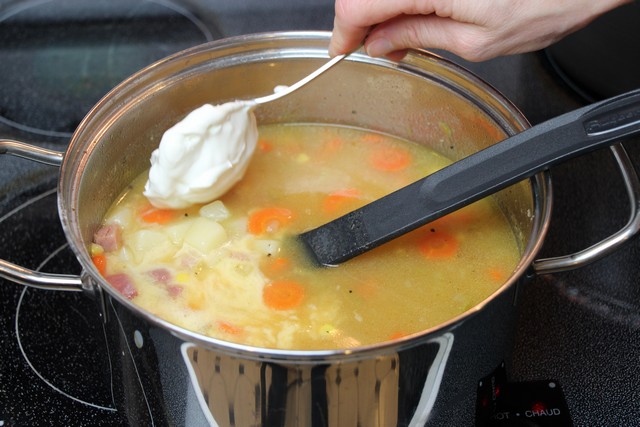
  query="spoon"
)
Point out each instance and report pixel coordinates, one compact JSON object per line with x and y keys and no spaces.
{"x":202,"y":156}
{"x":474,"y":177}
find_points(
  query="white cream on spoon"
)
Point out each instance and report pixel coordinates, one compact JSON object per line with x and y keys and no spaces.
{"x":204,"y":155}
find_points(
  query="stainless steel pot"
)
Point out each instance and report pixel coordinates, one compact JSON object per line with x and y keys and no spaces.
{"x":166,"y":375}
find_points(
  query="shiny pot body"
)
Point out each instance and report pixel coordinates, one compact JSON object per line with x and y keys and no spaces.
{"x":166,"y":375}
{"x":161,"y":379}
{"x":432,"y":376}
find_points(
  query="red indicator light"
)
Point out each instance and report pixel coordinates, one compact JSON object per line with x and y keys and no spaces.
{"x":538,"y":407}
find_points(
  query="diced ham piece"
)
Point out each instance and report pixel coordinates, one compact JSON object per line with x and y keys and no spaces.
{"x":109,"y":237}
{"x":160,"y":275}
{"x":123,"y":284}
{"x":163,"y":277}
{"x":174,"y":290}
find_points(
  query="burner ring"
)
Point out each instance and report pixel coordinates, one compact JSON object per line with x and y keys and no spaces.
{"x":61,"y":56}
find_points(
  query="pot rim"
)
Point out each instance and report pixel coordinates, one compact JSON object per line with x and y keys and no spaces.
{"x":316,"y":40}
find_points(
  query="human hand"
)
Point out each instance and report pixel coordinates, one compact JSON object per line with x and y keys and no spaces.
{"x":476,"y":30}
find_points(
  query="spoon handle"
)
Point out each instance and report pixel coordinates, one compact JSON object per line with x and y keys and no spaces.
{"x":286,"y":91}
{"x":474,"y":177}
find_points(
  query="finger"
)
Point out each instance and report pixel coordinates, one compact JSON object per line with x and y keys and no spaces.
{"x":354,"y":19}
{"x":469,"y":41}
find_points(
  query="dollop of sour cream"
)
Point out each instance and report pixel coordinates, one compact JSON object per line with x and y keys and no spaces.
{"x":202,"y":156}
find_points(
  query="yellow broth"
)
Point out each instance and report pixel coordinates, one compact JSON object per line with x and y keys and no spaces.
{"x":228,"y":270}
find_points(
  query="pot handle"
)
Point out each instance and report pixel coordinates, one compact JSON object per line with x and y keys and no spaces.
{"x":22,"y":275}
{"x":611,"y":243}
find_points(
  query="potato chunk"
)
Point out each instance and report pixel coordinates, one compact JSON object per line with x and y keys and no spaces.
{"x":205,"y":235}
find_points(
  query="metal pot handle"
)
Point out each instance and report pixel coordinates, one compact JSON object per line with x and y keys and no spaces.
{"x":22,"y":275}
{"x":611,"y":243}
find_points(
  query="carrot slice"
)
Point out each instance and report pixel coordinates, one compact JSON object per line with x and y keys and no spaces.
{"x":438,"y":244}
{"x":283,"y":295}
{"x":151,"y":214}
{"x":498,"y":274}
{"x":339,"y":199}
{"x":100,"y":261}
{"x":228,"y":328}
{"x":334,"y":145}
{"x":269,"y":220}
{"x":265,"y":145}
{"x":275,"y":266}
{"x":390,"y":159}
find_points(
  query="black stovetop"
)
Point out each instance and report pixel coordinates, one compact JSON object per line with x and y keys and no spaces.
{"x":579,"y":328}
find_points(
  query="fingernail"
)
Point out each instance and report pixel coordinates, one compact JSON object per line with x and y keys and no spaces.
{"x":379,"y":47}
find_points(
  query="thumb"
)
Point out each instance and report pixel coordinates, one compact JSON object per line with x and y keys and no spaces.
{"x":345,"y":38}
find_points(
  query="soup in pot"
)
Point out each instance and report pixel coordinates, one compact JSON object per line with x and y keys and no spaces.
{"x":229,"y":269}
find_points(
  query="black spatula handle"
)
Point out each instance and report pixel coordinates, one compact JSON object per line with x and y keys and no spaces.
{"x":474,"y":177}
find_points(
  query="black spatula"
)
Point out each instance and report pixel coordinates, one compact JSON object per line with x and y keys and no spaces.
{"x":474,"y":177}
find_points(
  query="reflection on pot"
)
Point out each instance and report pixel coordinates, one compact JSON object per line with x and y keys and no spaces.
{"x":235,"y":391}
